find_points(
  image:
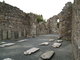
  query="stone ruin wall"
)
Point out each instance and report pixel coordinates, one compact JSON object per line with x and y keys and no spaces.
{"x":65,"y":24}
{"x":32,"y":22}
{"x":42,"y":28}
{"x":52,"y":25}
{"x":13,"y":22}
{"x":76,"y":29}
{"x":69,"y":26}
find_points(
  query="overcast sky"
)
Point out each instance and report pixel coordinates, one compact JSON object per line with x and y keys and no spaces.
{"x":47,"y":8}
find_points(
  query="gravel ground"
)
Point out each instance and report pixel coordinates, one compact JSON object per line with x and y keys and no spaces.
{"x":16,"y":51}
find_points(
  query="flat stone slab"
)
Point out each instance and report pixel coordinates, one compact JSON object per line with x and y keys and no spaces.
{"x":59,"y":41}
{"x":51,"y":40}
{"x":7,"y":44}
{"x":47,"y":55}
{"x":3,"y":42}
{"x":56,"y":45}
{"x":8,"y":59}
{"x":22,"y":40}
{"x":30,"y":51}
{"x":44,"y":43}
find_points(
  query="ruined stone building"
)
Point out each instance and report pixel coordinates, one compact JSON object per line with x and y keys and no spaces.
{"x":15,"y":24}
{"x":12,"y":22}
{"x":31,"y":19}
{"x":65,"y":24}
{"x":52,"y":25}
{"x":42,"y":28}
{"x":69,"y":25}
{"x":76,"y":29}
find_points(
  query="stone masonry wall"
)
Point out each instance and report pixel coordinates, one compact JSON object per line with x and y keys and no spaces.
{"x":42,"y":28}
{"x":52,"y":25}
{"x":14,"y":23}
{"x":32,"y":21}
{"x":65,"y":24}
{"x":76,"y":29}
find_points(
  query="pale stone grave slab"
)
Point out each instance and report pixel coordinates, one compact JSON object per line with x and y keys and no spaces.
{"x":22,"y":40}
{"x":51,"y":40}
{"x":3,"y":42}
{"x":7,"y":44}
{"x":59,"y":41}
{"x":44,"y":44}
{"x":56,"y":45}
{"x":30,"y":51}
{"x":47,"y":55}
{"x":8,"y":59}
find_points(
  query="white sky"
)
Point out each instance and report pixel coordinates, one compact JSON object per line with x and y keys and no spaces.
{"x":47,"y":8}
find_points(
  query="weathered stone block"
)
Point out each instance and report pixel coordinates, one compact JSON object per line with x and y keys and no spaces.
{"x":5,"y":35}
{"x":56,"y":45}
{"x":1,"y":34}
{"x":9,"y":34}
{"x":8,"y":59}
{"x":44,"y":44}
{"x":19,"y":34}
{"x":32,"y":50}
{"x":47,"y":55}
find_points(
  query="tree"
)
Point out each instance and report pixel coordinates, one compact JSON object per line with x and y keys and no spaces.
{"x":40,"y":18}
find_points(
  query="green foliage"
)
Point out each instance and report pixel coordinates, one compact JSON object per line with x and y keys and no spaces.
{"x":40,"y":18}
